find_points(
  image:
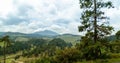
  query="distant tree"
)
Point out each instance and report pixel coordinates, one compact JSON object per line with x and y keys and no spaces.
{"x":57,"y":42}
{"x":115,"y":45}
{"x":6,"y":41}
{"x":118,"y":35}
{"x":38,"y":46}
{"x":95,"y":24}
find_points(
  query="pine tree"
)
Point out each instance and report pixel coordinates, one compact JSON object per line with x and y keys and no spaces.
{"x":95,"y":24}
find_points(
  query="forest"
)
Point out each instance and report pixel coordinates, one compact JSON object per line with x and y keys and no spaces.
{"x":97,"y":45}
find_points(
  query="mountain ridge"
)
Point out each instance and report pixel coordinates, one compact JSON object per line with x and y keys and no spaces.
{"x":46,"y":33}
{"x":35,"y":34}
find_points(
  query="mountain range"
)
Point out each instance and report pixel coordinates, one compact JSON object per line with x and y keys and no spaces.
{"x":46,"y":34}
{"x":35,"y":34}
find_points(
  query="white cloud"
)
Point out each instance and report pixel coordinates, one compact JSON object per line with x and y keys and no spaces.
{"x":62,"y":16}
{"x":114,"y":15}
{"x":6,"y":7}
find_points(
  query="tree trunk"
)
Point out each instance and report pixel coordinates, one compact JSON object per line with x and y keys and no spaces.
{"x":4,"y":52}
{"x":95,"y":22}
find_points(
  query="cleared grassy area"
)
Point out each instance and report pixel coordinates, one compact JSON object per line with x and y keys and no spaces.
{"x":70,"y":38}
{"x":9,"y":58}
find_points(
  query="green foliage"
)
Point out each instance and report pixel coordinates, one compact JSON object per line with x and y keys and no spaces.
{"x":115,"y":47}
{"x":69,"y":38}
{"x":6,"y":41}
{"x":37,"y":46}
{"x":115,"y":55}
{"x":93,"y":44}
{"x":118,"y":35}
{"x":57,"y":42}
{"x":43,"y":47}
{"x":43,"y":60}
{"x":68,"y":55}
{"x":92,"y":51}
{"x":87,"y":18}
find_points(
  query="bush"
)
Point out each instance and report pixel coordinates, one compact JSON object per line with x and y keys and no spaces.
{"x":68,"y":55}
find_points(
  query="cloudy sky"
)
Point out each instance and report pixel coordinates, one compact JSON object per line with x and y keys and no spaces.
{"x":61,"y":16}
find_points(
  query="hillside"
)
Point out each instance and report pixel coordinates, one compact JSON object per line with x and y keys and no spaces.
{"x":46,"y":34}
{"x":70,"y":38}
{"x":35,"y":34}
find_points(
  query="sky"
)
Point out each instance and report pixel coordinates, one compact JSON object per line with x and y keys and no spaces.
{"x":61,"y":16}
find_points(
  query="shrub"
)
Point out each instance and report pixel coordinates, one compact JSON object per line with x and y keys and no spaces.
{"x":68,"y":55}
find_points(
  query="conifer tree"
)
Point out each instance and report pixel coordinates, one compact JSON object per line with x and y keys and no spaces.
{"x":95,"y":24}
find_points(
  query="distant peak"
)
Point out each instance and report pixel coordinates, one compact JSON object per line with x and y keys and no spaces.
{"x":46,"y":32}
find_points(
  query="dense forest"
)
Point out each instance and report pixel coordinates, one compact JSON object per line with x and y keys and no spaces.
{"x":96,"y":46}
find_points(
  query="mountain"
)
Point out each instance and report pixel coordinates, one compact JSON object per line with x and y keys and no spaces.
{"x":2,"y":33}
{"x":46,"y":33}
{"x":111,"y":38}
{"x":12,"y":34}
{"x":67,"y":34}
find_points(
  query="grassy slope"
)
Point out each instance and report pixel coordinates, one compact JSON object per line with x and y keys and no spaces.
{"x":70,"y":38}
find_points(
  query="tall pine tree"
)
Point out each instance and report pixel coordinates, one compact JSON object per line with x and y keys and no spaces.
{"x":96,"y":26}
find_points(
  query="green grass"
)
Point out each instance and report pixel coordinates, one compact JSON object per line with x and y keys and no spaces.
{"x":9,"y":57}
{"x":21,"y":39}
{"x":23,"y":59}
{"x":1,"y":44}
{"x":70,"y":39}
{"x":113,"y":60}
